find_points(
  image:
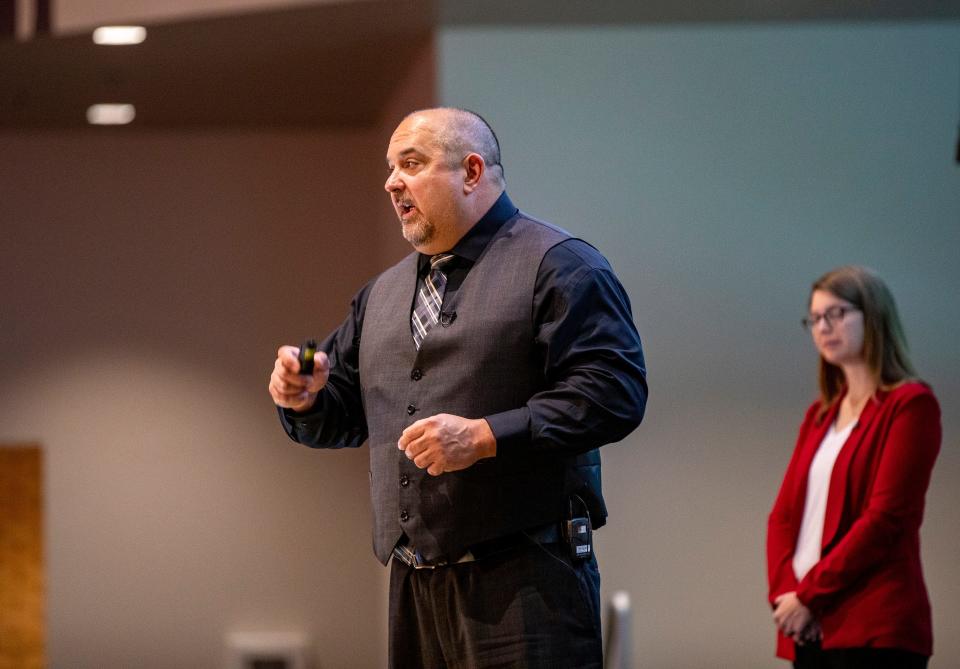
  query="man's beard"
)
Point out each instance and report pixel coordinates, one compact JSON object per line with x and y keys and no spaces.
{"x":418,"y":232}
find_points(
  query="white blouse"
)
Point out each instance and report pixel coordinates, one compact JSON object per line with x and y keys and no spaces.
{"x":807,"y":552}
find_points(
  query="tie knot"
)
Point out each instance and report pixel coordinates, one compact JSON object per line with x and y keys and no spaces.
{"x":439,"y":260}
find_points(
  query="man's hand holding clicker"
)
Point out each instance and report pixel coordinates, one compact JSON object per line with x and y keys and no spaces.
{"x":447,"y":443}
{"x":292,"y":390}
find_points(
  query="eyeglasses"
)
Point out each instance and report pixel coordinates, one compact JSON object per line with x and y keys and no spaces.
{"x":832,"y":316}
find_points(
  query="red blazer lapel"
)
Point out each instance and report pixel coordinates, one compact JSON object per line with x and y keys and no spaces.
{"x":818,"y":430}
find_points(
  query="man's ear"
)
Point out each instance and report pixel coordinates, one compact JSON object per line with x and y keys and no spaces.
{"x":473,"y":169}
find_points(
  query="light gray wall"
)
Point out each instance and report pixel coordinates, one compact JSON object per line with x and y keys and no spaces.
{"x":146,"y":280}
{"x":721,"y":169}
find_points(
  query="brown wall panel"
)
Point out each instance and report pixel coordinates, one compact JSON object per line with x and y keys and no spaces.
{"x":21,"y":558}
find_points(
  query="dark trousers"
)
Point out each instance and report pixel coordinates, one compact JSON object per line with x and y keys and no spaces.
{"x":812,"y":656}
{"x":529,"y":606}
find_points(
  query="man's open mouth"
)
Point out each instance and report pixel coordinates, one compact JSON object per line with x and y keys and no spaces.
{"x":405,"y":209}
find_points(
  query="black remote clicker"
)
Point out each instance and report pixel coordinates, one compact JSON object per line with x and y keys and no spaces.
{"x":307,"y":352}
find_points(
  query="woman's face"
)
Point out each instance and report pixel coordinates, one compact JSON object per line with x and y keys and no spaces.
{"x":837,"y":328}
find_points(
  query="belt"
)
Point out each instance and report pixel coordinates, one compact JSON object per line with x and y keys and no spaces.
{"x":543,"y":534}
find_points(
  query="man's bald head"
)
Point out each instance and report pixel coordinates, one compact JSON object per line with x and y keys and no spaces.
{"x":460,"y":132}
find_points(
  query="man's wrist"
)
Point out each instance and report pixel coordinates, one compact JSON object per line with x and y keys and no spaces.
{"x":484,"y":439}
{"x":305,"y":406}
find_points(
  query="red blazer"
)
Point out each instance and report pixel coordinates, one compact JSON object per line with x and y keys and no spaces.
{"x":867,"y":589}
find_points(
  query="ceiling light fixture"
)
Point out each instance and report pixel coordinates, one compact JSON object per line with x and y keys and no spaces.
{"x":110,"y":114}
{"x":119,"y":34}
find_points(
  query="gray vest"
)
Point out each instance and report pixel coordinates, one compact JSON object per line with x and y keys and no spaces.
{"x":479,"y":362}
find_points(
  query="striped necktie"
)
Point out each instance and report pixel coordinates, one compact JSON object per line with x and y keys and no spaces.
{"x":426,"y":312}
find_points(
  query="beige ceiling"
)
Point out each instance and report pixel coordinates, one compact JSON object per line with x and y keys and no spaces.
{"x":75,"y":16}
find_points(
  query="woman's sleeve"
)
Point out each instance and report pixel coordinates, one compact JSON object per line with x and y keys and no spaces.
{"x":895,"y":505}
{"x":781,"y":535}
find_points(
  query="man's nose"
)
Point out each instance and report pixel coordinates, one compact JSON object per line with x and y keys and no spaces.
{"x":392,"y":183}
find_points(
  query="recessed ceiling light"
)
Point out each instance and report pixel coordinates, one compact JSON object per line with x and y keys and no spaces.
{"x":110,"y":114}
{"x":119,"y":34}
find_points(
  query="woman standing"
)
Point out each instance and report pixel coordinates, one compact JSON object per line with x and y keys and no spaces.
{"x":843,"y":544}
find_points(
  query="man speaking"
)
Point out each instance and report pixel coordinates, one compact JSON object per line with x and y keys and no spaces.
{"x":485,"y":369}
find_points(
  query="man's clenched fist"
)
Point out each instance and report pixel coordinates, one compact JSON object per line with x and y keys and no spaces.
{"x":292,"y":390}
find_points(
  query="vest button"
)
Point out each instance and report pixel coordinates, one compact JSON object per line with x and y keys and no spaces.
{"x":411,"y":409}
{"x":404,"y":516}
{"x":404,"y":480}
{"x":416,"y":374}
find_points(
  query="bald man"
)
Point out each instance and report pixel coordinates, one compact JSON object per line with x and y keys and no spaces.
{"x":484,"y":370}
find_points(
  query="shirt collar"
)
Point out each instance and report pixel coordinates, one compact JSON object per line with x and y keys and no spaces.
{"x":472,"y":244}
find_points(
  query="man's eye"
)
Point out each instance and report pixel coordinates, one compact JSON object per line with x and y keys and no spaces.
{"x":409,"y":164}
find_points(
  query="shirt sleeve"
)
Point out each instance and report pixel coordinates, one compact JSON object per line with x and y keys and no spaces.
{"x":596,"y":388}
{"x":337,"y":419}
